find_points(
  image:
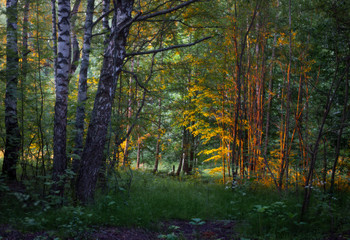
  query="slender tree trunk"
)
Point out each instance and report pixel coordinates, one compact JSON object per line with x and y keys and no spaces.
{"x":61,"y":105}
{"x":13,"y":138}
{"x":54,"y":37}
{"x":341,"y":129}
{"x":155,"y":169}
{"x":74,"y":40}
{"x":40,"y":109}
{"x":183,"y":153}
{"x":129,"y":114}
{"x":117,"y":148}
{"x":23,"y":80}
{"x":268,"y":110}
{"x":238,"y":69}
{"x":324,"y":172}
{"x":139,"y":140}
{"x":96,"y":137}
{"x":192,"y":152}
{"x":285,"y":152}
{"x":138,"y":155}
{"x":185,"y":150}
{"x":82,"y":91}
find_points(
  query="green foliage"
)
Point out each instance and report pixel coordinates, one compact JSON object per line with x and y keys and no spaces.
{"x":197,"y":221}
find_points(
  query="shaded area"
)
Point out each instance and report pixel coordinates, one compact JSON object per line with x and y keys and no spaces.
{"x":179,"y":229}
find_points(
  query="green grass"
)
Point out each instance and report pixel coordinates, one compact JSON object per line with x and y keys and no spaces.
{"x":260,"y":212}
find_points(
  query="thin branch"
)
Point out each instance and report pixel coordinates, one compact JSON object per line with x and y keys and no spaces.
{"x":247,"y":32}
{"x":168,"y":48}
{"x":165,"y":11}
{"x":101,"y":17}
{"x":99,"y":34}
{"x":185,"y":24}
{"x":136,"y":79}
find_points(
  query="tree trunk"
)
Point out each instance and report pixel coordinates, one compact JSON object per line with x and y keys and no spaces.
{"x":105,"y":20}
{"x":138,"y":155}
{"x":82,"y":91}
{"x":155,"y":169}
{"x":74,"y":39}
{"x":268,"y":110}
{"x":183,"y":153}
{"x":96,"y":137}
{"x":54,"y":37}
{"x":24,"y":72}
{"x":128,"y":115}
{"x":62,"y":81}
{"x":39,"y":109}
{"x":285,"y":152}
{"x":342,"y":126}
{"x":192,"y":149}
{"x":13,"y":138}
{"x":183,"y":164}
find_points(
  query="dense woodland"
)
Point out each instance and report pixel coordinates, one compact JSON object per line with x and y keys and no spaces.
{"x":247,"y":95}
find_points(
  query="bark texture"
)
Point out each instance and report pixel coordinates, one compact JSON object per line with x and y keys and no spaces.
{"x":96,"y":137}
{"x":13,"y":137}
{"x":82,"y":91}
{"x":62,"y":81}
{"x":54,"y":35}
{"x":74,"y":39}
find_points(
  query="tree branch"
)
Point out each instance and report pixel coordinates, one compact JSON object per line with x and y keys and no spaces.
{"x":168,"y":48}
{"x":165,"y":11}
{"x":101,"y":17}
{"x":136,"y":78}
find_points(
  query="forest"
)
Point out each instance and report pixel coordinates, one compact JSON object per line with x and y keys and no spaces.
{"x":174,"y":119}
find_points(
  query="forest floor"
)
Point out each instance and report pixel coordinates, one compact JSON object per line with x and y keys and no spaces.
{"x":158,"y":207}
{"x":175,"y":229}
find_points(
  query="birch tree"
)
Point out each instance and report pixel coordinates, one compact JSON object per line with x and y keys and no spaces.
{"x":61,"y":104}
{"x":82,"y":91}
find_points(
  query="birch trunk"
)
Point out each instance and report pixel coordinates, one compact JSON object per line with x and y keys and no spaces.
{"x":62,"y":81}
{"x":82,"y":91}
{"x":54,"y":36}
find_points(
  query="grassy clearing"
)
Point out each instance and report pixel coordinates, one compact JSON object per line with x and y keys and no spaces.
{"x":260,"y":212}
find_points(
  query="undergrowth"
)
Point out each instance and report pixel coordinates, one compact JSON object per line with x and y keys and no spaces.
{"x":260,"y":212}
